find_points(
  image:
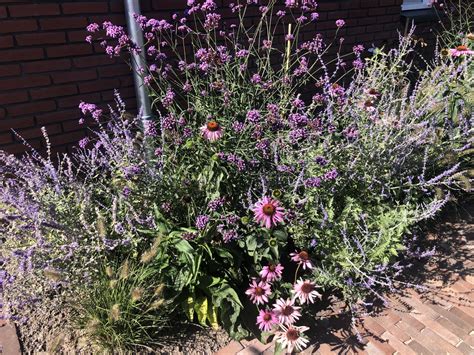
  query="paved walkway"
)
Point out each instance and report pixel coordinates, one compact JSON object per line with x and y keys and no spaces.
{"x":439,"y":320}
{"x":9,"y":344}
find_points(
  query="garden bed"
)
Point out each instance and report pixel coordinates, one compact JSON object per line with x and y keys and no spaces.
{"x":248,"y":204}
{"x":437,"y":276}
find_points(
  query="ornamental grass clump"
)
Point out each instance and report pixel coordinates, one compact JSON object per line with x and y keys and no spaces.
{"x":271,"y":176}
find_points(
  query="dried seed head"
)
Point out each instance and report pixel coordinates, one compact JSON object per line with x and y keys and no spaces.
{"x":53,"y":275}
{"x":149,"y":255}
{"x":157,"y":304}
{"x":125,"y":270}
{"x":464,"y":182}
{"x":92,"y":326}
{"x":159,"y":290}
{"x":115,"y":312}
{"x":109,"y":271}
{"x":101,"y":228}
{"x":113,"y":284}
{"x":137,"y":294}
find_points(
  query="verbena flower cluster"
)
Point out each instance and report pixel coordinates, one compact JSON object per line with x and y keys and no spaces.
{"x":271,"y":175}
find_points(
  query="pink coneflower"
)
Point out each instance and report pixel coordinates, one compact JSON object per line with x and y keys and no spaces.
{"x":372,"y":93}
{"x":259,"y":291}
{"x":302,"y":258}
{"x":286,"y":311}
{"x":291,"y":338}
{"x":268,"y":212}
{"x":305,"y":291}
{"x":266,"y":319}
{"x":368,"y":105}
{"x":272,"y":272}
{"x":212,"y":131}
{"x":460,"y":50}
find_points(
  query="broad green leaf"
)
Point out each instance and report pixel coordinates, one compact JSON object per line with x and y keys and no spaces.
{"x":200,"y":307}
{"x":212,"y":316}
{"x":188,"y":307}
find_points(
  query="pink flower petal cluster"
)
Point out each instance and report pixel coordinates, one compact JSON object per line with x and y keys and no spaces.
{"x":460,"y":50}
{"x":291,"y":338}
{"x":212,"y":131}
{"x":305,"y":291}
{"x":268,"y":212}
{"x":272,"y":272}
{"x":266,"y":319}
{"x":258,"y":291}
{"x":302,"y":258}
{"x":286,"y":311}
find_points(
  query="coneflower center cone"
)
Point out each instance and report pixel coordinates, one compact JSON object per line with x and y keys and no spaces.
{"x":307,"y":287}
{"x":268,"y":209}
{"x":212,"y":126}
{"x":292,"y":334}
{"x":287,"y":311}
{"x":303,"y":255}
{"x":259,"y":291}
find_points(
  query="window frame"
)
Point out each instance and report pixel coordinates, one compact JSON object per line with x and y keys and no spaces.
{"x":425,"y":4}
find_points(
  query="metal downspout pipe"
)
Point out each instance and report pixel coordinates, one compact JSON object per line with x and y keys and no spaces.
{"x":138,"y":60}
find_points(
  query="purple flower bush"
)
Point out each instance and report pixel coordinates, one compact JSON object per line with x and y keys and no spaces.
{"x":249,"y":193}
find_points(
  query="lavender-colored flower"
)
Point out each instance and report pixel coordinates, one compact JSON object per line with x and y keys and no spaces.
{"x":238,"y":127}
{"x":126,"y":191}
{"x":256,"y":79}
{"x":202,"y":221}
{"x":230,"y":235}
{"x":340,"y":23}
{"x":149,"y":128}
{"x":242,"y":53}
{"x":93,"y":27}
{"x":313,"y":182}
{"x":83,"y":142}
{"x":212,"y":21}
{"x":86,"y":107}
{"x":166,"y":207}
{"x":253,"y":116}
{"x":169,"y":98}
{"x":320,"y":160}
{"x":331,"y":175}
{"x":214,"y":205}
{"x":131,"y":171}
{"x":281,"y":13}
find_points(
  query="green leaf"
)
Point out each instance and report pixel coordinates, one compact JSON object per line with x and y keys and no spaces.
{"x":279,"y":350}
{"x":251,"y":243}
{"x":281,"y":235}
{"x":200,"y":307}
{"x":212,"y":316}
{"x":188,"y":307}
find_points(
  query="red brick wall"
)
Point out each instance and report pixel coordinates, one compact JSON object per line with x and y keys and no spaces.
{"x":46,"y":68}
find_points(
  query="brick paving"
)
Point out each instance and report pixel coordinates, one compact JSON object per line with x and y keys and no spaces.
{"x":436,"y":320}
{"x":9,"y":344}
